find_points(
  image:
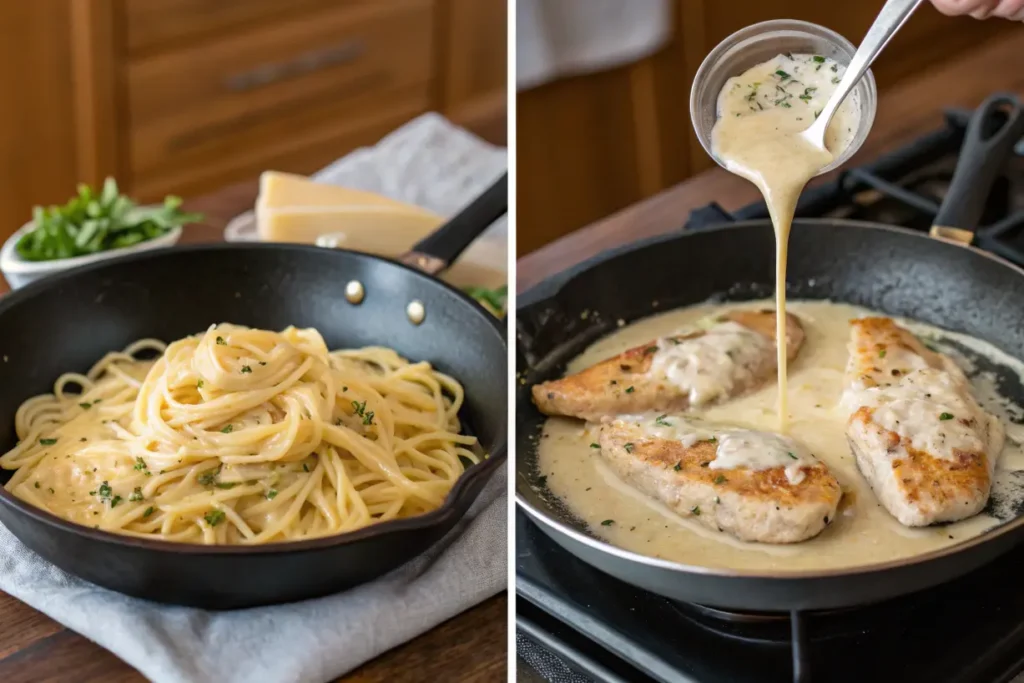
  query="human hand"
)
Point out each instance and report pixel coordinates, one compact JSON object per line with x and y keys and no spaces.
{"x":982,"y":9}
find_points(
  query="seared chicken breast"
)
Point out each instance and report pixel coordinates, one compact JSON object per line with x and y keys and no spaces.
{"x":920,"y":439}
{"x":757,"y":486}
{"x":676,"y":373}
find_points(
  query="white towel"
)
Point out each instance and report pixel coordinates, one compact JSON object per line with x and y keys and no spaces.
{"x":557,"y":38}
{"x":434,"y":164}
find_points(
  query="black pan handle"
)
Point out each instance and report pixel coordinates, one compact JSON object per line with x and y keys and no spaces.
{"x":995,"y":127}
{"x":438,"y":250}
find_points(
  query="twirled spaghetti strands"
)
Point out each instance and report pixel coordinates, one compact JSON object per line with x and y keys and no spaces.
{"x":241,"y":436}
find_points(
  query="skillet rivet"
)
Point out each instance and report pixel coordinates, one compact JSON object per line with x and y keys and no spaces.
{"x":416,"y":312}
{"x":354,"y":292}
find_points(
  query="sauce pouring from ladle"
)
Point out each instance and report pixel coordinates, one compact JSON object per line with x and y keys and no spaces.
{"x":761,"y":131}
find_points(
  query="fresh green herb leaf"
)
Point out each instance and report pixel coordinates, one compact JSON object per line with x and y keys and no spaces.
{"x":199,"y":384}
{"x":608,"y":522}
{"x":790,"y":454}
{"x":629,"y":390}
{"x":140,"y":464}
{"x":85,"y":406}
{"x":819,"y":59}
{"x":47,"y":442}
{"x":660,"y":420}
{"x":221,"y":342}
{"x":881,"y":354}
{"x":595,"y":445}
{"x":208,"y":477}
{"x":246,"y":369}
{"x":271,"y":494}
{"x":835,"y":68}
{"x":150,"y":510}
{"x":720,"y":479}
{"x":368,"y":418}
{"x":214,"y":517}
{"x":628,"y":447}
{"x":136,"y":494}
{"x":678,"y":466}
{"x":713,"y":439}
{"x":360,"y":408}
{"x":92,"y":222}
{"x":835,"y":79}
{"x":650,"y":349}
{"x":115,"y":501}
{"x":228,"y":429}
{"x":305,"y":467}
{"x":105,"y":491}
{"x":226,"y":484}
{"x":495,"y":300}
{"x":946,"y":416}
{"x":782,"y":74}
{"x":695,"y":510}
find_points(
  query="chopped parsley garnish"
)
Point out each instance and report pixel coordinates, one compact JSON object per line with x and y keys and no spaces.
{"x":136,"y":494}
{"x":246,"y":369}
{"x":786,"y":105}
{"x":660,"y":420}
{"x":360,"y":408}
{"x":214,"y":517}
{"x":782,"y":74}
{"x":199,"y":384}
{"x":52,"y":491}
{"x":115,"y":501}
{"x":608,"y":522}
{"x":819,"y":59}
{"x":628,"y":447}
{"x":678,"y":466}
{"x":47,"y":442}
{"x":104,"y":490}
{"x":695,"y":510}
{"x":835,"y":79}
{"x":835,"y":68}
{"x":271,"y":494}
{"x":226,"y":484}
{"x":140,"y":464}
{"x":817,"y":113}
{"x":85,"y":406}
{"x":881,"y":354}
{"x":629,"y":390}
{"x":150,"y":510}
{"x":228,"y":429}
{"x":221,"y":342}
{"x":305,"y":467}
{"x":595,"y":445}
{"x":946,"y":416}
{"x":208,"y":477}
{"x":720,"y":479}
{"x":368,"y":418}
{"x":711,"y":440}
{"x":790,"y":454}
{"x":650,"y":349}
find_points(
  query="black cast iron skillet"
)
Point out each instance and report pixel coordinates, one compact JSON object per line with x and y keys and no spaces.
{"x":70,"y":320}
{"x":885,"y":268}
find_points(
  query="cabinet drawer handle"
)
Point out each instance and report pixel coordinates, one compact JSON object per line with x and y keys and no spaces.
{"x":308,"y":62}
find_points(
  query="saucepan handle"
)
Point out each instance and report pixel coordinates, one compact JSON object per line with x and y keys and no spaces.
{"x":995,"y":127}
{"x":439,"y":249}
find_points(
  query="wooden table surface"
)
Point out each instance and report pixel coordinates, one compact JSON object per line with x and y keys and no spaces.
{"x":905,"y":112}
{"x":470,"y":648}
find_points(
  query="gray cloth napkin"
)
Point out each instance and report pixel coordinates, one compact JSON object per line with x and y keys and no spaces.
{"x":441,"y":167}
{"x":304,"y":642}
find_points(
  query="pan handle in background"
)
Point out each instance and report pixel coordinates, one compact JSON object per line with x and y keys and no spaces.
{"x":438,"y":250}
{"x":982,"y":155}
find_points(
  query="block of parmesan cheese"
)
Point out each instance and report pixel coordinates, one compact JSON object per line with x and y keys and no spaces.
{"x":291,"y":208}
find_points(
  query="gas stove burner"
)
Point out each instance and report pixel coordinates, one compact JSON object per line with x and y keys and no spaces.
{"x":776,"y":627}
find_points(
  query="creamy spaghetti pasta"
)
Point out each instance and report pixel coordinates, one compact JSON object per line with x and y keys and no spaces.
{"x":241,"y":436}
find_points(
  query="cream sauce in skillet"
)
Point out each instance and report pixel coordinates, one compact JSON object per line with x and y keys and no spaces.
{"x":863,"y":532}
{"x":761,"y":114}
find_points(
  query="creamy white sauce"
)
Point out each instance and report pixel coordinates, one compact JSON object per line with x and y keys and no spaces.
{"x":734,"y":448}
{"x":862,"y":533}
{"x":761,"y":114}
{"x":708,"y":366}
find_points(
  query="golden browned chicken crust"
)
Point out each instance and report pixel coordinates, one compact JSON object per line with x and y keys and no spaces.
{"x":916,"y":486}
{"x":625,"y":384}
{"x":752,"y":505}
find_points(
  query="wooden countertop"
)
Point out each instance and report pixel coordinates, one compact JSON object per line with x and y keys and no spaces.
{"x":469,"y":648}
{"x":904,"y":112}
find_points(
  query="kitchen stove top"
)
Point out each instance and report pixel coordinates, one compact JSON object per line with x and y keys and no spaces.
{"x":576,"y":624}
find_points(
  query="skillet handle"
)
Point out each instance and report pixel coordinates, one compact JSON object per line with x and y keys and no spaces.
{"x":995,"y":127}
{"x":438,"y":250}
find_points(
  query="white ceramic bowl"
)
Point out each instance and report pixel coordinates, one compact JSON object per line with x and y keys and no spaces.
{"x":20,"y":272}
